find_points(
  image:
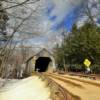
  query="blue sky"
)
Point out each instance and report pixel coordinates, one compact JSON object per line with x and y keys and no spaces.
{"x":57,"y":15}
{"x":65,"y":15}
{"x":69,"y":20}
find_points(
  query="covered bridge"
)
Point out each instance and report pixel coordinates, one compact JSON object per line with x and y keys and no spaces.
{"x":41,"y":62}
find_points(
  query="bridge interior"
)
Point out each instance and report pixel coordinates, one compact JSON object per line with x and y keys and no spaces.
{"x":42,"y":64}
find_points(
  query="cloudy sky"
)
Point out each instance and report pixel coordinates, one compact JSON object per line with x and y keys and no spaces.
{"x":56,"y":15}
{"x":52,"y":17}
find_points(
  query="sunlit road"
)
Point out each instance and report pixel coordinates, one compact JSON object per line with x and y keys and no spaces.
{"x":31,"y":88}
{"x":81,"y":88}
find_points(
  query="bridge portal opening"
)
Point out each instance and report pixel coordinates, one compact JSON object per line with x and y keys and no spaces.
{"x":42,"y":64}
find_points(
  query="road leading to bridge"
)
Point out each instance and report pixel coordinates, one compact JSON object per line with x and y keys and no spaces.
{"x":80,"y":88}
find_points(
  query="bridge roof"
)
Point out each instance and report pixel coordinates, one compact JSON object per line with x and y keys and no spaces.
{"x":41,"y":53}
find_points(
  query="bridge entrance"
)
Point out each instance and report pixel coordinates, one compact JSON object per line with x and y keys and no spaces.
{"x":42,"y":64}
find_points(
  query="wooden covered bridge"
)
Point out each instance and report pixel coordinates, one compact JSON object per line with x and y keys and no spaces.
{"x":41,"y":61}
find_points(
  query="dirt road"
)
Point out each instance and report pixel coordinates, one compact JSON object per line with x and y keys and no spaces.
{"x":80,"y":88}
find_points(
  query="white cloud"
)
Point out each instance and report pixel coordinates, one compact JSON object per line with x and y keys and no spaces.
{"x":62,"y":8}
{"x":39,"y":22}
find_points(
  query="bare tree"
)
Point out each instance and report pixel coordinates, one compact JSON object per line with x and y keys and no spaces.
{"x":92,"y":10}
{"x":8,"y":46}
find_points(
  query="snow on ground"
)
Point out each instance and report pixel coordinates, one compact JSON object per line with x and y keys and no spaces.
{"x":31,"y":88}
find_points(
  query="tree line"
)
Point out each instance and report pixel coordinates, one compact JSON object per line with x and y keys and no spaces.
{"x":80,"y":44}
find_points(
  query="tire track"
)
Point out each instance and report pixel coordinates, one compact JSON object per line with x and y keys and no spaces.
{"x":77,"y":88}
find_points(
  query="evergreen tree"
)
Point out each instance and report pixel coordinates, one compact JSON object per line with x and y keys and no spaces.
{"x":80,"y":44}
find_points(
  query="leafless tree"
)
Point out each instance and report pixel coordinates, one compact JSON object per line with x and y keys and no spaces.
{"x":92,"y":10}
{"x":9,"y":46}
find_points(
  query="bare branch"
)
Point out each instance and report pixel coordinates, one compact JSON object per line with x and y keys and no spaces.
{"x":19,"y":4}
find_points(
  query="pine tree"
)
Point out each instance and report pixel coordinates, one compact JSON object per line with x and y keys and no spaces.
{"x":80,"y":44}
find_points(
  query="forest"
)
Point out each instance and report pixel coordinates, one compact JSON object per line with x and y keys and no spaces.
{"x":81,"y":43}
